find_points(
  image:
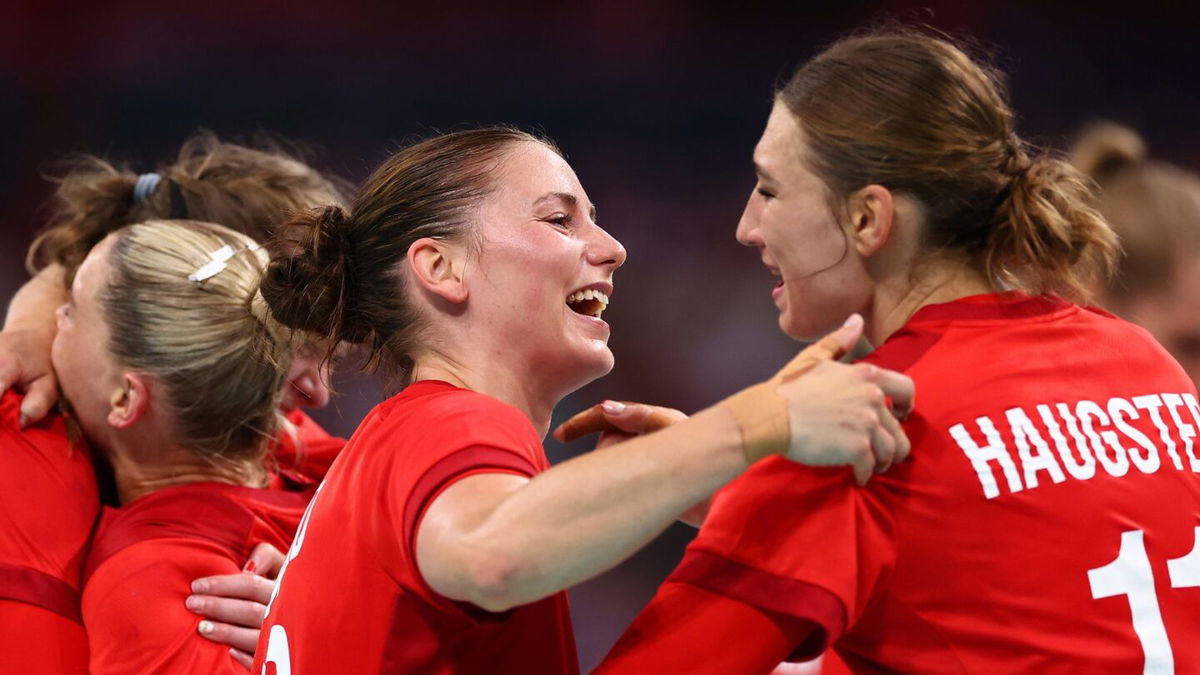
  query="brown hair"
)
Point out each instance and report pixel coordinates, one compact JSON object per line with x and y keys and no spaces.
{"x":247,"y":189}
{"x":337,"y":274}
{"x":1153,"y":206}
{"x":913,"y":113}
{"x":212,"y":343}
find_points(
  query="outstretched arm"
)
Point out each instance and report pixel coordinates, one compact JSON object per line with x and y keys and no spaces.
{"x":500,"y":540}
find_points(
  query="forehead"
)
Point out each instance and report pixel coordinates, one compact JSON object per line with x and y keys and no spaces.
{"x":93,"y":272}
{"x":531,"y":170}
{"x":782,"y":140}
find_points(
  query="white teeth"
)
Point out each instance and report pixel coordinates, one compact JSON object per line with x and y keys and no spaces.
{"x":590,"y":294}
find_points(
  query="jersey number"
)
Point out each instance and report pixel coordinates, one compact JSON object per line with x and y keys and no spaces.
{"x":1130,"y":575}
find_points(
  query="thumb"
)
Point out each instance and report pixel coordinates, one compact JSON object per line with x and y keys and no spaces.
{"x":265,"y":561}
{"x":829,"y":348}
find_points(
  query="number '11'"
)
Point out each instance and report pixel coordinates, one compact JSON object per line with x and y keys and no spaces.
{"x":1130,"y":575}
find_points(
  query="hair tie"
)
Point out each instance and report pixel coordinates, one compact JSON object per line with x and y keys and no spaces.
{"x":146,"y":183}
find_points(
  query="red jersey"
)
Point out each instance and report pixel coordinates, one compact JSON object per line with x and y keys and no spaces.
{"x":1047,"y":520}
{"x":351,"y":599}
{"x":306,"y":449}
{"x":145,"y":556}
{"x":48,"y":506}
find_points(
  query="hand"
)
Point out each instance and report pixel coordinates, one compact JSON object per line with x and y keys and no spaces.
{"x":840,"y":414}
{"x":25,"y":365}
{"x":234,"y":605}
{"x":619,"y":421}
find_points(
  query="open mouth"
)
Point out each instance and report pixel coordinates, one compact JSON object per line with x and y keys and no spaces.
{"x":588,"y":302}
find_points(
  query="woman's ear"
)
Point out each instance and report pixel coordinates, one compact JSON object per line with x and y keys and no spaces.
{"x":130,"y":402}
{"x":872,"y":214}
{"x":438,"y":267}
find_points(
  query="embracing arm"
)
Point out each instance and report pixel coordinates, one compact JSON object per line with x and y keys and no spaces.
{"x":499,"y":540}
{"x":29,"y":329}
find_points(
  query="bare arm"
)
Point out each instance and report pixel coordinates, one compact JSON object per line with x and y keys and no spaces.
{"x":499,"y":540}
{"x":29,"y":329}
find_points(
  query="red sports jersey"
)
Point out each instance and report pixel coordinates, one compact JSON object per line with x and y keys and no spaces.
{"x":306,"y":449}
{"x":145,"y":556}
{"x":1047,"y":521}
{"x":48,"y":506}
{"x":351,"y":599}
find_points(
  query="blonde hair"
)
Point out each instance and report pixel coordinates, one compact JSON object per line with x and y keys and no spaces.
{"x":248,"y":189}
{"x":212,"y":343}
{"x":913,"y":113}
{"x":1153,"y":206}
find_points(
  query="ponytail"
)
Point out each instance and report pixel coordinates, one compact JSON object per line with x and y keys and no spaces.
{"x":1046,"y":237}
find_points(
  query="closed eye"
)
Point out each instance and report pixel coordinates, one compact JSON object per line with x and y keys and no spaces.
{"x":765,"y":193}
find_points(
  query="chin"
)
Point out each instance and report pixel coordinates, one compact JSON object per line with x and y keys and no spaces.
{"x":594,"y":365}
{"x":806,"y":330}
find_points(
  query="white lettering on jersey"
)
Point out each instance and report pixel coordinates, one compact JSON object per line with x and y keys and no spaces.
{"x":1120,"y":409}
{"x":1152,"y":404}
{"x":1035,"y":454}
{"x":1118,"y":465}
{"x":1085,"y":468}
{"x":1094,"y":435}
{"x":1186,"y":431}
{"x":994,"y":451}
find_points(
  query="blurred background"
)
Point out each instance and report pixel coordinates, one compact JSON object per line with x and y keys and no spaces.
{"x":657,"y":106}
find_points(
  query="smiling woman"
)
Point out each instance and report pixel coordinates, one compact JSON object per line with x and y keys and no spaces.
{"x":442,"y":541}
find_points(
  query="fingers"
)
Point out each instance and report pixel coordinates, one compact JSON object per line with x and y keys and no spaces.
{"x":899,"y":388}
{"x":240,"y":586}
{"x":892,"y":428}
{"x":581,"y":424}
{"x":883,"y":444}
{"x":243,"y":639}
{"x":639,"y":418}
{"x":864,"y":467}
{"x":40,"y":396}
{"x":636,"y":418}
{"x":242,"y":657}
{"x":10,"y":372}
{"x":265,"y":561}
{"x":241,"y":613}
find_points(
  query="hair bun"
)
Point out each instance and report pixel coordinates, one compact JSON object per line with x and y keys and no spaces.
{"x":309,"y":283}
{"x":1105,"y":147}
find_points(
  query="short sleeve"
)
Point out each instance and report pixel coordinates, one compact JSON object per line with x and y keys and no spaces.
{"x":799,"y":541}
{"x":133,"y":609}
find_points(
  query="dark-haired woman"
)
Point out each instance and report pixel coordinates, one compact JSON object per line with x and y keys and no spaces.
{"x":1048,"y":521}
{"x":441,"y":541}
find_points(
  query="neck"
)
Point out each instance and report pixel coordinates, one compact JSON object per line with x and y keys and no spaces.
{"x":896,"y":301}
{"x":139,"y":471}
{"x":487,"y":375}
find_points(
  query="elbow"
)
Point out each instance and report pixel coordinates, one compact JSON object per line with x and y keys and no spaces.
{"x":494,"y":582}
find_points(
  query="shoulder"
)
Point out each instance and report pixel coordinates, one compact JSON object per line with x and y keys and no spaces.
{"x":436,"y":412}
{"x":134,"y":612}
{"x":186,"y":515}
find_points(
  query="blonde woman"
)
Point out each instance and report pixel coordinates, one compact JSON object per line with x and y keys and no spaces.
{"x":173,"y":370}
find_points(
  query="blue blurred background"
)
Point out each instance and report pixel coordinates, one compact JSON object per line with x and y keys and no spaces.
{"x":657,"y":106}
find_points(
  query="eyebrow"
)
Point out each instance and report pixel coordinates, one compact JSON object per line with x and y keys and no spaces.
{"x":570,"y":200}
{"x":763,"y":173}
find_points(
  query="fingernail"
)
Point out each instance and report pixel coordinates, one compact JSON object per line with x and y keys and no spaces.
{"x":205,"y":627}
{"x":613,"y":407}
{"x":853,"y":320}
{"x":23,"y":421}
{"x":199,"y":586}
{"x":250,"y":567}
{"x":193,"y":603}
